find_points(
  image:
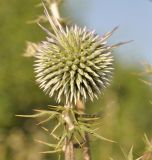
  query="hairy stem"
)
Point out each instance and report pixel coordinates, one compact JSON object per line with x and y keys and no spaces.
{"x":69,"y":150}
{"x":69,"y":126}
{"x":86,"y":145}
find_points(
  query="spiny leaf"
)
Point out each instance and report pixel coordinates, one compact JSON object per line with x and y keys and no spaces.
{"x":47,"y":144}
{"x":61,"y":140}
{"x":55,"y":128}
{"x":46,"y":120}
{"x":50,"y":152}
{"x":31,"y":116}
{"x":92,"y":132}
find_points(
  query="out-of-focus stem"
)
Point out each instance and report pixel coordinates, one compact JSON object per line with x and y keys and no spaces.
{"x":147,"y":156}
{"x":54,"y":8}
{"x":86,"y":145}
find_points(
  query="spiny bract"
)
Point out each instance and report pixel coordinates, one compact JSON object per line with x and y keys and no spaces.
{"x":73,"y":63}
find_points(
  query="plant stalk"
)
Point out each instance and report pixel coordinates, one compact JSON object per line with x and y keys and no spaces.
{"x":69,"y":150}
{"x":69,"y":126}
{"x":86,"y":146}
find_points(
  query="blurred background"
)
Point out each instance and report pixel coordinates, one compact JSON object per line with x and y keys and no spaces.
{"x":126,"y":102}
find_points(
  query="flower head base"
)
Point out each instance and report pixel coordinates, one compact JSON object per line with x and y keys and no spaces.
{"x":73,"y":63}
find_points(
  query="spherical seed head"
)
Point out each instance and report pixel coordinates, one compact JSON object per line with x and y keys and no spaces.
{"x":73,"y":63}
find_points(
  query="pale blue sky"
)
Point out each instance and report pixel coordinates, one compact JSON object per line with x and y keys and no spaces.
{"x":134,"y":18}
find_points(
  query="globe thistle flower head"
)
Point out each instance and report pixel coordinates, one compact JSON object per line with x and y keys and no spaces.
{"x":73,"y":63}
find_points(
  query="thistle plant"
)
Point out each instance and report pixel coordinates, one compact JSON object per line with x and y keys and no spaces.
{"x":73,"y":65}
